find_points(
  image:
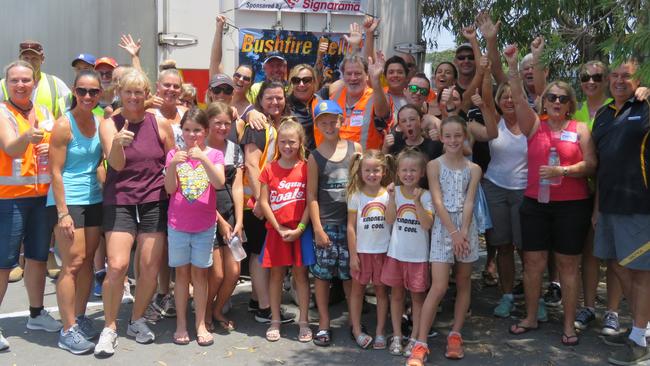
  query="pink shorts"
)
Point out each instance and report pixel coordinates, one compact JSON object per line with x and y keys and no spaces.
{"x":371,"y":265}
{"x":412,"y":276}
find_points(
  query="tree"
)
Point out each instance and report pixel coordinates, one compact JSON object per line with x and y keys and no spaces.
{"x":576,"y":31}
{"x":437,"y":57}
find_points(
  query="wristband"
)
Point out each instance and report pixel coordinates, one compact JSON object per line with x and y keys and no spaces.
{"x":302,"y":226}
{"x":62,"y":215}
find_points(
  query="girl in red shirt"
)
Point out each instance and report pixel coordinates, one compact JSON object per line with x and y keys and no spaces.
{"x":283,"y":199}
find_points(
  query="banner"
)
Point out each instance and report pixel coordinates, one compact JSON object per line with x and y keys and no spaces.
{"x":295,"y":46}
{"x":351,"y":7}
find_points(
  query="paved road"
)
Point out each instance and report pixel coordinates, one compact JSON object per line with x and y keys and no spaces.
{"x":492,"y":345}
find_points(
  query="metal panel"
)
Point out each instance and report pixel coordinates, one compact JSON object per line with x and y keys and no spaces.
{"x":69,"y":27}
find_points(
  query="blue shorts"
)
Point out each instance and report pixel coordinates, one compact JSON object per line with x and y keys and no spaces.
{"x":333,"y":261}
{"x":190,"y":248}
{"x":23,"y":220}
{"x":624,"y":238}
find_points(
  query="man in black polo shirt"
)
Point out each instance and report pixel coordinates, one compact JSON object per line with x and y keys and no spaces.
{"x":620,"y":133}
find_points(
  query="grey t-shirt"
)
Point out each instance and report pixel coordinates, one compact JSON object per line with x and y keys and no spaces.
{"x":332,"y":185}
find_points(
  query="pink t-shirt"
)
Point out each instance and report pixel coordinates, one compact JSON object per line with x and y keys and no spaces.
{"x":193,"y":207}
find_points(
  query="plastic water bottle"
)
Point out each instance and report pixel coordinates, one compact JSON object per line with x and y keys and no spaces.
{"x":236,"y":248}
{"x":554,"y":160}
{"x":17,"y":165}
{"x":544,"y":191}
{"x":42,"y":163}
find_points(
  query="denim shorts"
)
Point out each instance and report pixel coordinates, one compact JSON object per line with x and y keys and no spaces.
{"x":190,"y":248}
{"x":23,"y":220}
{"x":333,"y":261}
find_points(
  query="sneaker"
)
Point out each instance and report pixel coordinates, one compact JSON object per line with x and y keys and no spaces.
{"x":16,"y":274}
{"x":506,"y":305}
{"x":432,"y":333}
{"x":618,"y":340}
{"x":611,"y":326}
{"x":44,"y":321}
{"x":73,"y":340}
{"x":4,"y":343}
{"x":553,"y":295}
{"x":264,"y":316}
{"x":253,"y":306}
{"x":583,"y":318}
{"x":409,"y":348}
{"x":518,"y":291}
{"x":632,"y":354}
{"x":395,"y":347}
{"x":454,"y":347}
{"x":127,"y":298}
{"x":140,"y":331}
{"x":86,"y":327}
{"x":168,"y":307}
{"x":152,"y":314}
{"x":542,"y":314}
{"x":99,"y":282}
{"x":106,"y":344}
{"x":418,"y":355}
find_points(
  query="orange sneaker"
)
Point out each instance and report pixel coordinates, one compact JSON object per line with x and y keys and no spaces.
{"x":454,"y":346}
{"x":418,"y":355}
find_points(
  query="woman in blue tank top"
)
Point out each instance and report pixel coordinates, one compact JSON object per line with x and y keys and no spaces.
{"x":75,"y":206}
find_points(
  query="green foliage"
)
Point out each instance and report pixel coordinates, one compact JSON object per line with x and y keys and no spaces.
{"x":437,"y":57}
{"x":575,"y":31}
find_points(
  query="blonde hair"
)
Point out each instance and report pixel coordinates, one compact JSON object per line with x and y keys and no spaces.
{"x":290,"y":123}
{"x":134,"y":78}
{"x":296,"y":70}
{"x":356,"y":183}
{"x":19,"y":63}
{"x":167,"y":65}
{"x":573,"y":103}
{"x":410,"y":153}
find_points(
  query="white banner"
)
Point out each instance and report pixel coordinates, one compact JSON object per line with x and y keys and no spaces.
{"x":353,"y":7}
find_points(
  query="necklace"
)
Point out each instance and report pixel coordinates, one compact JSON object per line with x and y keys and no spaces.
{"x":23,"y":111}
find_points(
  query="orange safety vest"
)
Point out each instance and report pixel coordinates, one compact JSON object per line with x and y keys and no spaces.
{"x":24,"y":181}
{"x":358,"y":122}
{"x":267,"y":156}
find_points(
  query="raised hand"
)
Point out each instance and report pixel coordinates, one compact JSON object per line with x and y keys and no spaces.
{"x":124,"y":137}
{"x":510,"y":54}
{"x":486,"y":26}
{"x":469,"y":32}
{"x":389,"y":140}
{"x":355,"y":37}
{"x":129,"y":45}
{"x":476,"y":99}
{"x":35,"y":135}
{"x":484,"y":63}
{"x":537,"y":46}
{"x":376,"y":66}
{"x":221,"y":21}
{"x":370,"y":24}
{"x":445,"y":97}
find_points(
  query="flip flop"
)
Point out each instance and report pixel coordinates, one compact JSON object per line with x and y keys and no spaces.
{"x":380,"y":342}
{"x":570,"y":340}
{"x":273,"y":333}
{"x":323,"y":338}
{"x":363,"y":340}
{"x":526,"y":329}
{"x":304,"y":334}
{"x":204,"y":340}
{"x":181,"y":339}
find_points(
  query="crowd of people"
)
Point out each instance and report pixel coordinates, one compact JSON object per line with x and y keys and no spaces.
{"x":382,"y":177}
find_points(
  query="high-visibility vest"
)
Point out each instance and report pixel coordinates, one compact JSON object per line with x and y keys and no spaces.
{"x":358,"y":122}
{"x":318,"y":136}
{"x":47,"y":94}
{"x":268,"y":154}
{"x":21,"y":179}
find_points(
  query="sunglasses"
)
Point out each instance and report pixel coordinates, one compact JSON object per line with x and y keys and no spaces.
{"x":564,"y":99}
{"x":31,"y":46}
{"x":416,"y":89}
{"x":106,"y":74}
{"x":171,"y":86}
{"x":306,"y":80}
{"x":597,"y":78}
{"x":465,"y":58}
{"x":240,"y":76}
{"x":226,"y":89}
{"x":83,"y":91}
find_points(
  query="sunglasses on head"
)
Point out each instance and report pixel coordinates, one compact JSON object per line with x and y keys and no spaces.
{"x":31,"y":46}
{"x":564,"y":99}
{"x":416,"y":89}
{"x":243,"y":77}
{"x":597,"y":78}
{"x":306,"y":80}
{"x":83,"y":91}
{"x":226,"y":89}
{"x":465,"y":57}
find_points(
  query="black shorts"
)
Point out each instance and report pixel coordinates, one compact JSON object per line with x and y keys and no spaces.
{"x":559,"y":226}
{"x":82,"y":215}
{"x":226,"y":210}
{"x":255,"y":233}
{"x":148,"y":217}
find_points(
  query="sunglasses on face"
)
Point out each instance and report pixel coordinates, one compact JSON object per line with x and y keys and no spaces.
{"x":465,"y":57}
{"x":106,"y":74}
{"x":171,"y":86}
{"x":597,"y":78}
{"x":564,"y":99}
{"x":83,"y":91}
{"x":243,"y":77}
{"x":416,"y":89}
{"x":306,"y":80}
{"x":226,"y":89}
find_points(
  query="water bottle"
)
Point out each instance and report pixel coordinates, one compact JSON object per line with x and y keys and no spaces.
{"x":554,"y":160}
{"x":17,"y":165}
{"x":236,"y":248}
{"x":544,"y":191}
{"x":42,"y":164}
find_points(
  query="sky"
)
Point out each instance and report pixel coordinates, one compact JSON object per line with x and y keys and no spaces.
{"x":445,"y":40}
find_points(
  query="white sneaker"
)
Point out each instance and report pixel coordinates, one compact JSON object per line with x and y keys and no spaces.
{"x":106,"y":344}
{"x":127,"y":298}
{"x":4,"y":343}
{"x":44,"y":322}
{"x":140,"y":331}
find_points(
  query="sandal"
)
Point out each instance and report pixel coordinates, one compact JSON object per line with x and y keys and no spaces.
{"x":570,"y":340}
{"x":273,"y":333}
{"x":380,"y":342}
{"x":181,"y":339}
{"x":489,"y":279}
{"x":519,"y":329}
{"x":304,"y":334}
{"x":363,"y":340}
{"x":226,"y":325}
{"x":323,"y":338}
{"x":395,"y":347}
{"x":204,"y":340}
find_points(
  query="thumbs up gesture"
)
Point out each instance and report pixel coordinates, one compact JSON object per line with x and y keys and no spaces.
{"x":389,"y":139}
{"x":476,"y":99}
{"x":124,"y":137}
{"x":195,"y":152}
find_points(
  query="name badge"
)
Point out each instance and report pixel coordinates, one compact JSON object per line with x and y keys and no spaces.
{"x":356,"y":120}
{"x":569,"y":136}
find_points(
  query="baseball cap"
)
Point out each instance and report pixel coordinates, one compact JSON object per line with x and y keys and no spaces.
{"x":220,"y":79}
{"x":29,"y":45}
{"x":85,"y":57}
{"x":106,"y":60}
{"x":272,"y":55}
{"x":464,"y":46}
{"x":327,"y":107}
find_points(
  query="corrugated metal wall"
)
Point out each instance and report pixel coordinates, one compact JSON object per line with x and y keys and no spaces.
{"x":69,"y":27}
